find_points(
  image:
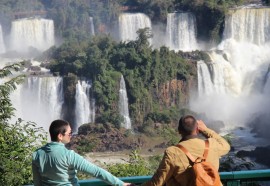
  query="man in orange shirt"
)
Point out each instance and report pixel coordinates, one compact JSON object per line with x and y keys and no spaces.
{"x":175,"y":161}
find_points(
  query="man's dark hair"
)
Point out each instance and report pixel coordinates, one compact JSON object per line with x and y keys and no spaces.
{"x":58,"y":127}
{"x":187,"y":124}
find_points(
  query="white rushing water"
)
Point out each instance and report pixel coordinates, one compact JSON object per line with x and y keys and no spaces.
{"x":92,"y":28}
{"x":248,"y":25}
{"x":39,"y":99}
{"x":235,"y":86}
{"x":85,"y":106}
{"x":130,"y":23}
{"x":2,"y":43}
{"x":181,"y":31}
{"x":32,"y":32}
{"x":123,"y":104}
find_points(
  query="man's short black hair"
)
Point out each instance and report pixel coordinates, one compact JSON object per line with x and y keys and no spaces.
{"x":58,"y":127}
{"x":187,"y":124}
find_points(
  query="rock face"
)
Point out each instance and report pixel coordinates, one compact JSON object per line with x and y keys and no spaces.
{"x":101,"y":138}
{"x":261,"y":155}
{"x":259,"y":123}
{"x":174,"y":92}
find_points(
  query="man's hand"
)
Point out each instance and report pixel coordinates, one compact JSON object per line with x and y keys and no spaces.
{"x":129,"y":184}
{"x":201,"y":125}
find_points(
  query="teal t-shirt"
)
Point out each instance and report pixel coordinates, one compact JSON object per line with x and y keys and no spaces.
{"x":54,"y":164}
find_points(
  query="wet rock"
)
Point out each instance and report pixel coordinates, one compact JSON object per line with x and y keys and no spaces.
{"x":260,"y":154}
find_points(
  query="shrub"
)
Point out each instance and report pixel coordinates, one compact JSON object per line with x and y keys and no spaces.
{"x":136,"y":166}
{"x":17,"y":143}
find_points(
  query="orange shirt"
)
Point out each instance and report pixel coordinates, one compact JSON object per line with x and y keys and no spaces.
{"x":175,"y":162}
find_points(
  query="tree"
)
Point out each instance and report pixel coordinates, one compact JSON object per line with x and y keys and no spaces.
{"x":6,"y":109}
{"x":17,"y":140}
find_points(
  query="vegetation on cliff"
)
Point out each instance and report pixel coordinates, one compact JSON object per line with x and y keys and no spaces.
{"x":157,"y":80}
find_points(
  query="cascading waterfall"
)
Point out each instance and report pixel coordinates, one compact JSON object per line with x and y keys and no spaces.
{"x":2,"y":44}
{"x":248,"y":25}
{"x":236,"y":79}
{"x":205,"y":85}
{"x":123,"y":104}
{"x":217,"y":77}
{"x":85,"y":106}
{"x":181,"y":31}
{"x":92,"y":28}
{"x":39,"y":99}
{"x":130,"y":23}
{"x":37,"y":33}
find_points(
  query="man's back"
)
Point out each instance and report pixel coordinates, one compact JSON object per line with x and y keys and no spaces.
{"x":53,"y":162}
{"x":201,"y":172}
{"x":175,"y":161}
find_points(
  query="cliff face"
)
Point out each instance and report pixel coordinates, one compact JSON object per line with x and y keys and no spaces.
{"x":173,"y":93}
{"x":176,"y":93}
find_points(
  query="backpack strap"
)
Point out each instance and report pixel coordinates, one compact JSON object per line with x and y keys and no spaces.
{"x":186,"y":152}
{"x":206,"y":150}
{"x":205,"y":154}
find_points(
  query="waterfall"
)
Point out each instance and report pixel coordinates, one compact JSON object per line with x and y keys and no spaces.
{"x":2,"y":44}
{"x":233,"y":86}
{"x":123,"y":104}
{"x":84,"y":109}
{"x":130,"y":23}
{"x":248,"y":25}
{"x":181,"y":31}
{"x":92,"y":28}
{"x":216,"y":78}
{"x":37,"y":33}
{"x":205,"y":85}
{"x":39,"y":99}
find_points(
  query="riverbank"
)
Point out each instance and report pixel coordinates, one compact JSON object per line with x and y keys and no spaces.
{"x":103,"y":158}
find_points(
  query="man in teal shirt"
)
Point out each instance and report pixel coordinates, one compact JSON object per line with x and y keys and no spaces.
{"x":54,"y":164}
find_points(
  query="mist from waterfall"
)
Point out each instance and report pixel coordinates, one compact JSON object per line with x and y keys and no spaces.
{"x":39,"y":99}
{"x":181,"y":31}
{"x":85,"y":106}
{"x":2,"y":43}
{"x":234,"y":87}
{"x":32,"y":32}
{"x":266,"y":89}
{"x":130,"y":23}
{"x":123,"y":104}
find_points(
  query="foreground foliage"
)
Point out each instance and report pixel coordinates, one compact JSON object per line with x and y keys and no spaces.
{"x":136,"y":166}
{"x":17,"y":139}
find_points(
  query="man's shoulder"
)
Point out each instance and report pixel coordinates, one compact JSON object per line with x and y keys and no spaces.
{"x":173,"y":150}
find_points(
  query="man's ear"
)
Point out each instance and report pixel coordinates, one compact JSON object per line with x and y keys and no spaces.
{"x":60,"y":137}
